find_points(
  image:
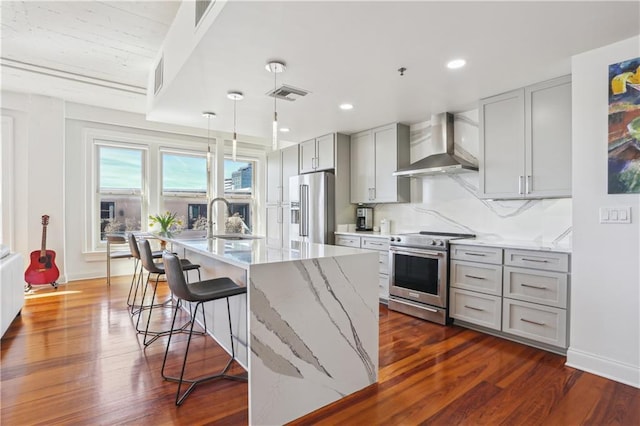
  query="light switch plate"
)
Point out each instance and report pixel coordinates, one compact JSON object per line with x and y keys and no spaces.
{"x":615,"y":214}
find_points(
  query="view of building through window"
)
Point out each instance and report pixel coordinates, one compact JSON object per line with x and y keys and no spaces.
{"x":184,"y":188}
{"x":120,"y":176}
{"x":238,"y":189}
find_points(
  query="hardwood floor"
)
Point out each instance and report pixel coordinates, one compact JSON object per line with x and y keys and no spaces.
{"x":73,"y":357}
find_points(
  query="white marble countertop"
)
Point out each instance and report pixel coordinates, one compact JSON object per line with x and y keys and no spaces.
{"x":516,"y":244}
{"x":243,"y":253}
{"x":363,"y":234}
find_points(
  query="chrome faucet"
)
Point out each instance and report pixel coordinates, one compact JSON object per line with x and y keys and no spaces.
{"x":210,"y":214}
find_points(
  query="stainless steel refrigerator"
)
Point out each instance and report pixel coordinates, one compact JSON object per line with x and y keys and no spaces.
{"x":312,"y":198}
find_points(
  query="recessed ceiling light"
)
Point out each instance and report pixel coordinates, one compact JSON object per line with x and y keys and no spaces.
{"x":456,"y":63}
{"x":284,"y":130}
{"x":346,"y":107}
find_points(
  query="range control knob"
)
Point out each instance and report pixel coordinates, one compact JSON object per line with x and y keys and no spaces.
{"x":431,"y":242}
{"x":392,"y":239}
{"x":440,"y":243}
{"x":398,"y":239}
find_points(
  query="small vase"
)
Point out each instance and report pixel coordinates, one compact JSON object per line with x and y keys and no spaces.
{"x":163,"y":244}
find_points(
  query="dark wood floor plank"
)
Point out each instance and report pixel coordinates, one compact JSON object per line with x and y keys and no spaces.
{"x":73,"y":357}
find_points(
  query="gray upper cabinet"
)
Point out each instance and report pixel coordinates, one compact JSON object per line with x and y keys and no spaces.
{"x":525,"y":142}
{"x":281,"y":165}
{"x":274,"y":177}
{"x":289,"y":168}
{"x":317,"y":154}
{"x":375,"y":155}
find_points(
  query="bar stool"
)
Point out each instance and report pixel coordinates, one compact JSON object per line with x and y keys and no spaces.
{"x":136,"y":279}
{"x":198,"y":293}
{"x":146,"y":258}
{"x":116,"y":239}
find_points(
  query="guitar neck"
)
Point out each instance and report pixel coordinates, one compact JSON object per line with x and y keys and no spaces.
{"x":43,"y":250}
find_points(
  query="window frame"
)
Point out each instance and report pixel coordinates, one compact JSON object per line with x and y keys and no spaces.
{"x":153,"y":143}
{"x":94,"y":242}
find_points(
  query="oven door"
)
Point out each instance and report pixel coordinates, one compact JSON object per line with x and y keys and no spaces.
{"x":419,"y":275}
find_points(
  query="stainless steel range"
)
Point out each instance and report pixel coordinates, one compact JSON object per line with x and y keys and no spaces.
{"x":419,"y":274}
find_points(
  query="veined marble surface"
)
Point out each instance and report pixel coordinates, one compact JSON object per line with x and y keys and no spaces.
{"x":312,"y":315}
{"x":243,"y":253}
{"x":516,"y":244}
{"x":313,"y":334}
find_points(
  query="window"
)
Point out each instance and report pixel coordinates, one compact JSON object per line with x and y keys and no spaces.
{"x":120,"y":189}
{"x":239,"y":188}
{"x":185,"y":187}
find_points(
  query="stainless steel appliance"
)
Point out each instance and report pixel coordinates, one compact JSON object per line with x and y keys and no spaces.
{"x":312,"y":207}
{"x":419,"y":274}
{"x":364,"y":218}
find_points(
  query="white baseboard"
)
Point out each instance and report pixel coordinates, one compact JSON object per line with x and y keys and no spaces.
{"x":609,"y":368}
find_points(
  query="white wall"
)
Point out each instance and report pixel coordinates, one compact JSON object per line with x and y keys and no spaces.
{"x":38,"y":175}
{"x":448,"y":203}
{"x":605,"y":296}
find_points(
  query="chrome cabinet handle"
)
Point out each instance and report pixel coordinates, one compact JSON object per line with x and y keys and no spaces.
{"x":527,"y":185}
{"x":535,"y":260}
{"x":533,"y":286}
{"x":473,"y":308}
{"x":473,"y":276}
{"x":376,"y":244}
{"x":474,"y":254}
{"x":532,"y":322}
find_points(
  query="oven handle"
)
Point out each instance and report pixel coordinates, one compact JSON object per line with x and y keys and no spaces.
{"x":417,"y":252}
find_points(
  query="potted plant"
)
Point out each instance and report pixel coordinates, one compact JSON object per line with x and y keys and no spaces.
{"x":169,"y":224}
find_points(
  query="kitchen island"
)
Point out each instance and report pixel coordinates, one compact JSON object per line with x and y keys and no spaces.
{"x":311,"y":322}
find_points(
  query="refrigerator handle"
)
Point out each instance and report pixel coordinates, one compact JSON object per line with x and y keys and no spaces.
{"x":304,"y":210}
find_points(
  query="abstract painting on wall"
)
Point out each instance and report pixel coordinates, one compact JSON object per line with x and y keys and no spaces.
{"x":624,"y":127}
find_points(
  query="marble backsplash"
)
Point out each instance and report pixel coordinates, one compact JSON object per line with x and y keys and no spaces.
{"x":448,"y":203}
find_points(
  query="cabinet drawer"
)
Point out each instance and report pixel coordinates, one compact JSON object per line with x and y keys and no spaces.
{"x":548,"y":288}
{"x":476,"y":308}
{"x":536,"y":322}
{"x":537,"y":259}
{"x":381,"y":244}
{"x":349,"y":241}
{"x":383,"y":262}
{"x":481,"y":277}
{"x":477,"y":254}
{"x":383,"y":286}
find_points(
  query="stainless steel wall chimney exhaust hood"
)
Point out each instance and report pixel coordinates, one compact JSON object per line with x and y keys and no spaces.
{"x":445,"y":162}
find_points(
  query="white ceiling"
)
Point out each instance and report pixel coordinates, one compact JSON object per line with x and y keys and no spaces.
{"x":339,"y":51}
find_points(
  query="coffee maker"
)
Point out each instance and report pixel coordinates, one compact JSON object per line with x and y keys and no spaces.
{"x":364,"y":218}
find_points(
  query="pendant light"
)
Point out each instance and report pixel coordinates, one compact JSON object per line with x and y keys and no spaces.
{"x":234,"y":96}
{"x":275,"y":67}
{"x":208,"y":114}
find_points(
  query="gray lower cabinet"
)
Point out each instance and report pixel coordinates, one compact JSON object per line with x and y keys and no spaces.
{"x":535,"y":291}
{"x":521,"y":294}
{"x":379,"y":244}
{"x":476,"y":286}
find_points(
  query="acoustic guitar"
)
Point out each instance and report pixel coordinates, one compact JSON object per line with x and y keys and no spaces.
{"x":42,"y":269}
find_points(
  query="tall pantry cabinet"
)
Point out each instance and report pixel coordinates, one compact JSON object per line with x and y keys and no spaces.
{"x":281,"y":165}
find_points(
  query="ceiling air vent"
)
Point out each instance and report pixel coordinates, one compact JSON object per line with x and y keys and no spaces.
{"x":287,"y":93}
{"x":157,"y":83}
{"x":201,"y":7}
